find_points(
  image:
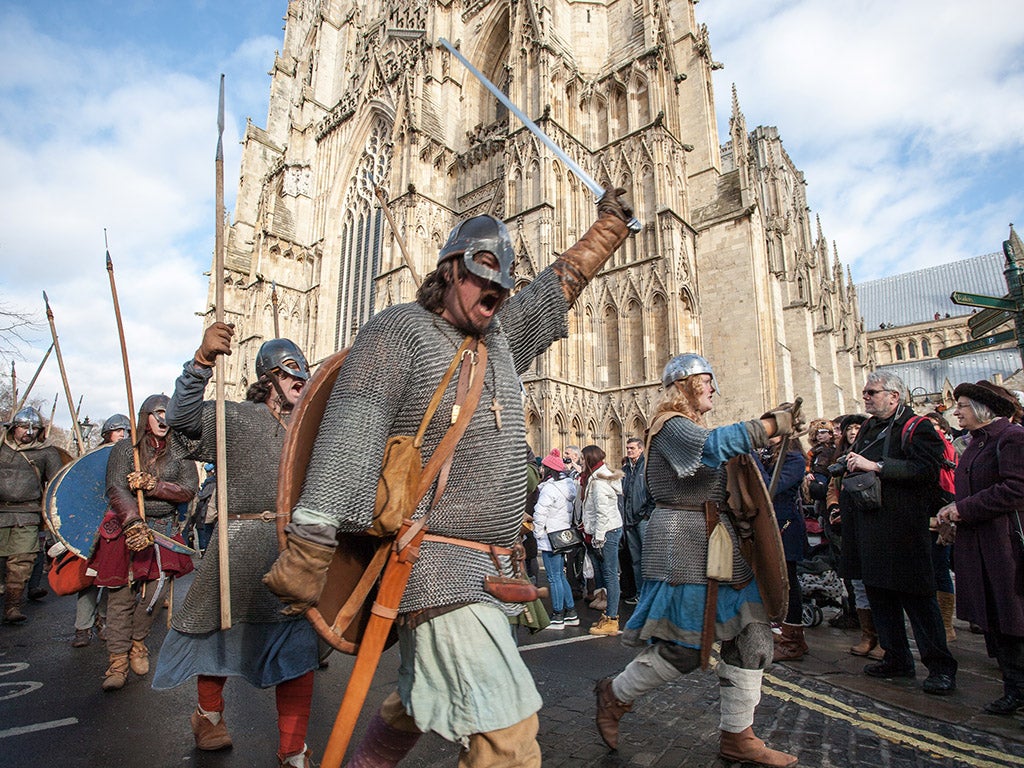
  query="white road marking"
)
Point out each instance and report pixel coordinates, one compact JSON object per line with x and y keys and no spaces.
{"x":21,"y":730}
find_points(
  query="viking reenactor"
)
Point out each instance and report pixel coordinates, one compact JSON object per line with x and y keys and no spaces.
{"x":27,"y":464}
{"x":461,"y":675}
{"x":137,"y":572}
{"x":675,"y":617}
{"x":265,"y":647}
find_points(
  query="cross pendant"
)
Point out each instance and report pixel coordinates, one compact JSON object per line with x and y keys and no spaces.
{"x":497,"y":409}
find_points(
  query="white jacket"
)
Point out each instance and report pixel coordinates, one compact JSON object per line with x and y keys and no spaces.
{"x":553,"y":510}
{"x":601,"y":503}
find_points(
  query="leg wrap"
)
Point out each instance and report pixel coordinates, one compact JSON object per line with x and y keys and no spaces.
{"x":752,"y":648}
{"x":646,"y":672}
{"x":383,"y":746}
{"x":211,"y":693}
{"x":294,"y":698}
{"x":740,"y":692}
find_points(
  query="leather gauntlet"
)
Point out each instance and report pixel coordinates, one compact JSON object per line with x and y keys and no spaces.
{"x":141,"y":481}
{"x":789,"y":419}
{"x":578,"y":265}
{"x":216,"y":341}
{"x":137,"y":535}
{"x":299,"y":574}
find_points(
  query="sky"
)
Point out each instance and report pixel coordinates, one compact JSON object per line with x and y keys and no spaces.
{"x":906,"y":118}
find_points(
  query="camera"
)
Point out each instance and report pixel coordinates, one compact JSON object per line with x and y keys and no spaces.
{"x":839,"y":468}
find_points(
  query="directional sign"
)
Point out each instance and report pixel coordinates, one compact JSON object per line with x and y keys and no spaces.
{"x":974,"y":346}
{"x":989,"y":322}
{"x":978,"y":318}
{"x":977,"y":300}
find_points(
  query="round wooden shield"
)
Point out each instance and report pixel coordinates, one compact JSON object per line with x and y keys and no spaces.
{"x":76,"y":500}
{"x":352,"y":578}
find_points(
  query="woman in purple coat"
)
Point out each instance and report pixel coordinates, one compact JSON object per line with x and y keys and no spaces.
{"x":989,"y":550}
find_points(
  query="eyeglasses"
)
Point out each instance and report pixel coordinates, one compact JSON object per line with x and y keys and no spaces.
{"x":873,"y":392}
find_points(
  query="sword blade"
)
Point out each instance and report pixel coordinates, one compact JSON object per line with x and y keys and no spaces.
{"x":165,"y":541}
{"x":591,"y":183}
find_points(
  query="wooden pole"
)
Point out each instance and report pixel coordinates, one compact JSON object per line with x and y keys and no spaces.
{"x":139,"y":495}
{"x":32,"y":382}
{"x":14,"y":391}
{"x":273,"y":301}
{"x":398,"y":235}
{"x":221,"y":419}
{"x":53,"y":411}
{"x":64,"y":377}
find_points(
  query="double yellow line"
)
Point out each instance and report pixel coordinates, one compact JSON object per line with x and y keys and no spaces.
{"x":886,"y":728}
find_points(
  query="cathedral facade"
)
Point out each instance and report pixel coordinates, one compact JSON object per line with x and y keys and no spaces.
{"x":372,"y":119}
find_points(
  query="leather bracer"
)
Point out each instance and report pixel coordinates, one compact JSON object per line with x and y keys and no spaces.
{"x":578,"y":265}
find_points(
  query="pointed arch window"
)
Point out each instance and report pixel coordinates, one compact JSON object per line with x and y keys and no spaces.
{"x":899,"y":351}
{"x":912,"y":349}
{"x":926,"y":348}
{"x":361,"y":236}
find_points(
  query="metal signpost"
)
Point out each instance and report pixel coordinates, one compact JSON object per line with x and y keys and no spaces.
{"x":997,"y":309}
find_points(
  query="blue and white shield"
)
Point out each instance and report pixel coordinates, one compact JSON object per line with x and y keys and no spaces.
{"x":76,"y":500}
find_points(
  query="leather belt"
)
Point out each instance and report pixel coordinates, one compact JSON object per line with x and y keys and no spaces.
{"x":479,"y":546}
{"x":266,"y":516}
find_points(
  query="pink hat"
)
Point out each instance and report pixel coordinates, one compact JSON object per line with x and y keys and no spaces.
{"x":554,"y":461}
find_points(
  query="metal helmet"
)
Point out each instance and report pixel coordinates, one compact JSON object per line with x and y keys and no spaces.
{"x":152,"y":404}
{"x":482,"y":234}
{"x":682,"y":366}
{"x":276,"y":353}
{"x":115,"y":422}
{"x":29,"y":418}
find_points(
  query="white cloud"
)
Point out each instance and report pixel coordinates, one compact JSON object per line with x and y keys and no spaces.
{"x":907,"y":118}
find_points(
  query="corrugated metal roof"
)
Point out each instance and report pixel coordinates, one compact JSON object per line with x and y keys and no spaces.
{"x":931,"y":374}
{"x":915,"y":297}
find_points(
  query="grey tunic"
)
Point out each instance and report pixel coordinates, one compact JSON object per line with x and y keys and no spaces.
{"x":383,"y":389}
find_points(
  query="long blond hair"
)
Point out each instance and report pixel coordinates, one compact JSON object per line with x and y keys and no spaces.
{"x":682,"y":398}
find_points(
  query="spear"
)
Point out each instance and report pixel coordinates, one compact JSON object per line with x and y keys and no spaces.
{"x":379,"y":192}
{"x":139,"y":496}
{"x":53,"y":411}
{"x":64,"y":378}
{"x":221,"y":420}
{"x":32,"y":383}
{"x":14,"y":391}
{"x":273,"y":300}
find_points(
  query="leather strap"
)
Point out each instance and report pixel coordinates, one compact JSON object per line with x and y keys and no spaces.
{"x":479,"y":546}
{"x":707,"y":636}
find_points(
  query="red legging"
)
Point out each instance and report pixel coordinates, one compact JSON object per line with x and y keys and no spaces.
{"x":294,"y":698}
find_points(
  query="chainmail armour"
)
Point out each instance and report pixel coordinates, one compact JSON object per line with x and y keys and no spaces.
{"x":676,"y":540}
{"x":122,"y":462}
{"x":383,"y":389}
{"x":254,"y":443}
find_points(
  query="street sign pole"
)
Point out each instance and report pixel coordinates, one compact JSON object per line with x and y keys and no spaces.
{"x":1012,"y":273}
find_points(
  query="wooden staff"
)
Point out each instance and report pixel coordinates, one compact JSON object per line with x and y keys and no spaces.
{"x":780,"y":458}
{"x":379,"y":192}
{"x":14,"y":391}
{"x":53,"y":411}
{"x":139,"y":496}
{"x":273,"y":301}
{"x":32,"y":382}
{"x":64,"y":378}
{"x":221,"y":419}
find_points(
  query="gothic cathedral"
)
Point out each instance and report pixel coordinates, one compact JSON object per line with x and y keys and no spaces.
{"x":371,"y":118}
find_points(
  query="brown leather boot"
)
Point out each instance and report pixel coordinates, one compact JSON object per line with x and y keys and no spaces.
{"x":117,"y":673}
{"x":609,"y":711}
{"x":868,"y":638}
{"x":947,"y":606}
{"x":792,"y":646}
{"x":138,"y":657}
{"x":12,"y":604}
{"x":209,"y":737}
{"x":745,"y":747}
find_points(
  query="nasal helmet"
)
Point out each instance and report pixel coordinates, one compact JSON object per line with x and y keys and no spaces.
{"x":482,"y":234}
{"x":29,"y":418}
{"x":152,"y":404}
{"x":276,"y":354}
{"x":682,"y":366}
{"x":114,"y":423}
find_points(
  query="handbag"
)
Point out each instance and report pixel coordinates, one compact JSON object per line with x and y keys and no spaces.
{"x":565,"y":539}
{"x":68,"y":574}
{"x":864,"y":490}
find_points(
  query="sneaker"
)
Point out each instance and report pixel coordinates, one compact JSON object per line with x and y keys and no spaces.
{"x":631,"y":600}
{"x":606,"y":625}
{"x":557,"y":620}
{"x":572,"y":619}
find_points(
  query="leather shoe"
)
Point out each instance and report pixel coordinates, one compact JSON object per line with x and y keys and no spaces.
{"x":939,"y":684}
{"x":1006,"y":704}
{"x":885,"y":669}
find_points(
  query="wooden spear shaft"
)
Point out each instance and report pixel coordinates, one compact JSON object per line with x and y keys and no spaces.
{"x":221,"y":419}
{"x":273,"y":301}
{"x":64,"y":377}
{"x":14,"y":391}
{"x":53,"y":411}
{"x":32,"y":382}
{"x":139,"y":495}
{"x":398,"y":235}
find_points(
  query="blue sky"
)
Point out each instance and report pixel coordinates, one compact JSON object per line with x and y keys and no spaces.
{"x":907,"y":119}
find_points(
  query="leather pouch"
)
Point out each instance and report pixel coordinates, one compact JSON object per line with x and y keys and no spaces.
{"x":509,"y":589}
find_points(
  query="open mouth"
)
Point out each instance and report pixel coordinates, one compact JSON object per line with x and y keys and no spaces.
{"x":489,"y":302}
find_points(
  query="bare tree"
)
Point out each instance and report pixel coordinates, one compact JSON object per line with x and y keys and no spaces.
{"x":13,"y":325}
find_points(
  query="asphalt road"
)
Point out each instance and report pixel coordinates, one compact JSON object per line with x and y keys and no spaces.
{"x":53,"y":712}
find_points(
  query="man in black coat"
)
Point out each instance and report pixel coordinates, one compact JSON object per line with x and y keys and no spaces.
{"x":636,"y":507}
{"x":889,"y":545}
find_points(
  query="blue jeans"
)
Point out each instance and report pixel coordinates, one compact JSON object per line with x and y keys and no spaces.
{"x":561,"y":595}
{"x":606,"y":569}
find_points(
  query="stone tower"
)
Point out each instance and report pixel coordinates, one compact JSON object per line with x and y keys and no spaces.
{"x":366,"y":106}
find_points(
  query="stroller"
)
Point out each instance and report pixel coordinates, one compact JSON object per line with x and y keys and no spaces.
{"x":819,"y":580}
